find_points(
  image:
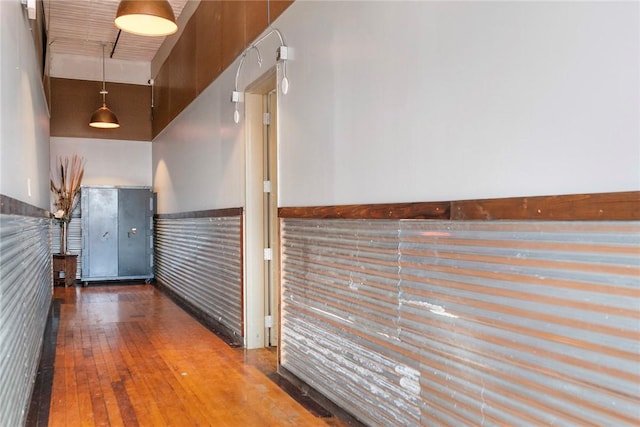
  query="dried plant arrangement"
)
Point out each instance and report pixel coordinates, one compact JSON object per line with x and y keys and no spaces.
{"x":65,"y":185}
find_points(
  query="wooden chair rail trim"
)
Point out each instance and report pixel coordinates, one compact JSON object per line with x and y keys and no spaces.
{"x":11,"y":206}
{"x":424,"y":210}
{"x":210,"y":213}
{"x":622,"y":206}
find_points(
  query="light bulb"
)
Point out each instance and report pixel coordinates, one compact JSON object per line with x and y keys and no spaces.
{"x":236,"y":116}
{"x":285,"y":85}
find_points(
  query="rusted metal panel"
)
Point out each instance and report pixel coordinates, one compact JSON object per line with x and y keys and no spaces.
{"x":200,"y":260}
{"x":25,"y":296}
{"x":459,"y":322}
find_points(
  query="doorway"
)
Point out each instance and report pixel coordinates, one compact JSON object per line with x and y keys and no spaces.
{"x":262,"y":288}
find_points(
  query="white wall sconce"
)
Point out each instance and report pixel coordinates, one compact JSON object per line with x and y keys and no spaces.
{"x":237,"y":97}
{"x":283,"y":54}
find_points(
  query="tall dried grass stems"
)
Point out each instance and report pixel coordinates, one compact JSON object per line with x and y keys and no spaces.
{"x":65,"y":185}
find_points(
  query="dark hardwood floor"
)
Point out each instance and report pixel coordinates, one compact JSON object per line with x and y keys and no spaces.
{"x":128,"y":356}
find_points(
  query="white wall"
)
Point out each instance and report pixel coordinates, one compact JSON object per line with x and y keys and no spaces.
{"x":24,"y":117}
{"x":80,"y":67}
{"x":108,"y":161}
{"x":198,"y":161}
{"x":420,"y":101}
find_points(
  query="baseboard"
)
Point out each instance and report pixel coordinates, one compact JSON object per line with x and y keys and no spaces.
{"x":223,"y":332}
{"x":319,"y":398}
{"x":38,"y":414}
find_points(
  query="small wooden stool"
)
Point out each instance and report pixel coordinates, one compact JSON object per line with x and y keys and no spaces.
{"x":66,"y":264}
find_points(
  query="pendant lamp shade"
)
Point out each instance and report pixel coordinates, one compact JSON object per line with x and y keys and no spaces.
{"x":146,"y":17}
{"x":103,"y":118}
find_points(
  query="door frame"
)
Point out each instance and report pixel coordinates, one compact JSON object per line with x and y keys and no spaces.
{"x":255,"y":292}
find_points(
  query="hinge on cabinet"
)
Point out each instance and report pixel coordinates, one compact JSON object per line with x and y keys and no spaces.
{"x":266,"y":185}
{"x":268,"y":321}
{"x":266,"y":119}
{"x":268,"y":254}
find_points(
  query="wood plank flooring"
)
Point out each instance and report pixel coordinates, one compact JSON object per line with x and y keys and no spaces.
{"x":128,"y":356}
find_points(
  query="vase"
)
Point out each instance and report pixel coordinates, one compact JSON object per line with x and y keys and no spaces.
{"x":63,"y":237}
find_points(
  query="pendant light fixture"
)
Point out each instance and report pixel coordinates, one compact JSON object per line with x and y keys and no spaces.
{"x":103,"y":117}
{"x":146,"y":17}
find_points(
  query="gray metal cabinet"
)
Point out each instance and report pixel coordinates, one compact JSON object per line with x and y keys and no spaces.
{"x":117,"y":233}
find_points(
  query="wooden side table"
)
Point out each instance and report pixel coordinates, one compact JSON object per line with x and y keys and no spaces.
{"x":66,"y":264}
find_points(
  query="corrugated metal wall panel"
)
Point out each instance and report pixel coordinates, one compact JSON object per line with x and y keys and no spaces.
{"x":524,"y":322}
{"x":200,"y":259}
{"x":25,"y":296}
{"x":340,"y":317}
{"x":439,"y":322}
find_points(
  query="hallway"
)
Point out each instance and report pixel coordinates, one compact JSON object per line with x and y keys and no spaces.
{"x":129,"y":356}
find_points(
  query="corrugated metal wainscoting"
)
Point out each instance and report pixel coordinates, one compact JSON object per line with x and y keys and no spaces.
{"x":200,"y":260}
{"x":25,"y":296}
{"x":465,"y":323}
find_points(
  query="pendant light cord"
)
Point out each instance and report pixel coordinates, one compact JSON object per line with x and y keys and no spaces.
{"x":269,"y":13}
{"x":104,"y":90}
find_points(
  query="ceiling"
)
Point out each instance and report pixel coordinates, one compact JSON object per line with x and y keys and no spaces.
{"x":78,"y":27}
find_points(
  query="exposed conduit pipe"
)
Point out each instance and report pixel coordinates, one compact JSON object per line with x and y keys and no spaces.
{"x":115,"y":44}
